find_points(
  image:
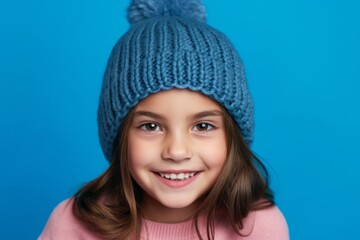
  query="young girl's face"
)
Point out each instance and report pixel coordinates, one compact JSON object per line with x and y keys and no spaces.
{"x":176,"y":148}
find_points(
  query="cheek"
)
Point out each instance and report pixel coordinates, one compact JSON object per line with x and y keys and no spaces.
{"x":215,"y":153}
{"x":135,"y":158}
{"x":140,"y":152}
{"x":135,"y":152}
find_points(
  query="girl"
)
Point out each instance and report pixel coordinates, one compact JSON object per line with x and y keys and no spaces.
{"x":175,"y":122}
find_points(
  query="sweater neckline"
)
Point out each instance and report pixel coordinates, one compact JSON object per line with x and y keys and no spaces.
{"x":186,"y":230}
{"x":177,"y":231}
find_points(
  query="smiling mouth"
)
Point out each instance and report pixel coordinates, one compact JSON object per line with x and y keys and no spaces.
{"x":177,"y":176}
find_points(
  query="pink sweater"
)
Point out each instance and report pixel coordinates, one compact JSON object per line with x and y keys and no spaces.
{"x":268,"y":224}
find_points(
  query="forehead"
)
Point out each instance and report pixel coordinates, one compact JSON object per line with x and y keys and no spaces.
{"x":178,"y":101}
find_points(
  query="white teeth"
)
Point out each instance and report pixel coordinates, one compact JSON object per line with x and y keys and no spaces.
{"x":179,"y":176}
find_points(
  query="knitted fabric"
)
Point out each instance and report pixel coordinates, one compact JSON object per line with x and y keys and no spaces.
{"x":165,"y":52}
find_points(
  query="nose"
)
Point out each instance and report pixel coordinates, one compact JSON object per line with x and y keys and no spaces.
{"x":176,"y":148}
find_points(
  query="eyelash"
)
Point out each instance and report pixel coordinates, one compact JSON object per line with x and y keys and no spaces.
{"x":208,"y":126}
{"x":145,"y":125}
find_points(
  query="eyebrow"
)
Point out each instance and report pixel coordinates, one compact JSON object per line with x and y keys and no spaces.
{"x":148,"y":114}
{"x":207,"y":114}
{"x":196,"y":116}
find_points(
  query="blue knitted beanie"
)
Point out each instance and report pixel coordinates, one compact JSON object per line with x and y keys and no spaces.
{"x":169,"y":45}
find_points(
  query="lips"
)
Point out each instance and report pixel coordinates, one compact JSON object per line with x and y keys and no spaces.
{"x":177,"y":176}
{"x":177,"y":179}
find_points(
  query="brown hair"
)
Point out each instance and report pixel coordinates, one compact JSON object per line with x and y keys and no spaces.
{"x":110,"y":204}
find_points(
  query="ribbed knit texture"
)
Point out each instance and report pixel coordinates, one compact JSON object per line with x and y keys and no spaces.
{"x":182,"y":231}
{"x":166,"y":52}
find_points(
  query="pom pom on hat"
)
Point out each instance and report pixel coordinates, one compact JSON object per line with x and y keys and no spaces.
{"x":144,"y":9}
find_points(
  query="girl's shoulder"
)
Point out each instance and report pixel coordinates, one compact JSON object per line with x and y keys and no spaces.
{"x":62,"y":224}
{"x":264,"y":224}
{"x":269,"y":224}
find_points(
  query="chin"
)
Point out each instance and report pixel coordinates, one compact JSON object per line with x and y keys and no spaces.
{"x":178,"y":203}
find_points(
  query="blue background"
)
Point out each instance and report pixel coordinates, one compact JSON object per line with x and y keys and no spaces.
{"x":302,"y":62}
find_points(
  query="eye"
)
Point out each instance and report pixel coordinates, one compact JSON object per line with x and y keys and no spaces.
{"x":150,"y":127}
{"x":203,"y":126}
